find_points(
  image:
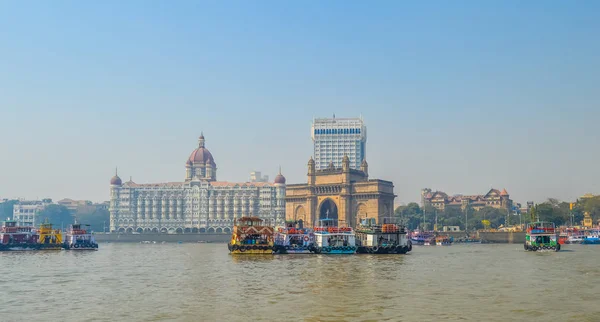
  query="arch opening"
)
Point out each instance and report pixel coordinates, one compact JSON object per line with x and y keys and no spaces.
{"x":329,"y":212}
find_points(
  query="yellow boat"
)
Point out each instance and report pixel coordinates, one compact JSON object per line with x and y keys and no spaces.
{"x":50,"y":239}
{"x":250,"y":236}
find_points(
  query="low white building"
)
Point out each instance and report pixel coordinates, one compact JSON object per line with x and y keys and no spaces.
{"x":26,"y":212}
{"x":198,"y":204}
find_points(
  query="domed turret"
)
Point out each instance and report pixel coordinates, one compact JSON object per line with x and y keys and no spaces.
{"x":201,"y":163}
{"x":279,"y":179}
{"x":116,"y":181}
{"x":504,"y":192}
{"x":201,"y":154}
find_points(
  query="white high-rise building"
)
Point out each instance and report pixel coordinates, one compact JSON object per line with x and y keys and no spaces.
{"x":336,"y":137}
{"x":200,"y":203}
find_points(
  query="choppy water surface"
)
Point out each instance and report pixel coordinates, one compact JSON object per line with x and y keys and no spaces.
{"x":202,"y":282}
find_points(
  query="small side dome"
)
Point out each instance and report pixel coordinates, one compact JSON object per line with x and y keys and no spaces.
{"x":116,"y":180}
{"x":279,"y":179}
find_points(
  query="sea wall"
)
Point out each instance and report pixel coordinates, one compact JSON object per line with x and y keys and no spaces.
{"x":169,"y":238}
{"x":502,"y":237}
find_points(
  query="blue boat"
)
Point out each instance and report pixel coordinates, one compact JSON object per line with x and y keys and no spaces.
{"x":331,"y":239}
{"x":592,"y":237}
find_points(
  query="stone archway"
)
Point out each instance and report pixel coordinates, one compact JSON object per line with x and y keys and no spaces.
{"x":361,"y":213}
{"x":163,"y":230}
{"x":121,"y":230}
{"x":219,"y":230}
{"x":328,"y":210}
{"x":194,"y":230}
{"x":187,"y":230}
{"x":179,"y":231}
{"x":227,"y":230}
{"x":211,"y":230}
{"x":300,"y":214}
{"x":155,"y":230}
{"x":202,"y":230}
{"x":139,"y":230}
{"x":129,"y":230}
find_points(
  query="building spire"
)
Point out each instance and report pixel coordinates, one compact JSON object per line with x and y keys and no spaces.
{"x":116,"y":171}
{"x":279,"y":169}
{"x":201,"y":140}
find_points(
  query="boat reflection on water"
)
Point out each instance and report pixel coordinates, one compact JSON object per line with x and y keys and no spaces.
{"x":255,"y":258}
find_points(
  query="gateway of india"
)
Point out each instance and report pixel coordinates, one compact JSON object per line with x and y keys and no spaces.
{"x":338,"y":185}
{"x":198,"y":204}
{"x":343,"y":194}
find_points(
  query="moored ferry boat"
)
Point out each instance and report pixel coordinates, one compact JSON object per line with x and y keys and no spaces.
{"x":15,"y":238}
{"x":332,"y":239}
{"x":77,"y":238}
{"x":49,"y":239}
{"x":381,"y":239}
{"x":592,"y":237}
{"x":443,"y":241}
{"x":421,"y":238}
{"x":250,"y":236}
{"x":541,"y":236}
{"x":294,"y":239}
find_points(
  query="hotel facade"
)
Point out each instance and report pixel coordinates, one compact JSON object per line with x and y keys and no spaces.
{"x":199,"y":203}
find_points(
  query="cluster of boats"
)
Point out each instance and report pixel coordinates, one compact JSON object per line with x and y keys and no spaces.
{"x":251,"y":236}
{"x":542,"y":236}
{"x":18,"y":238}
{"x":572,"y":235}
{"x":431,"y":238}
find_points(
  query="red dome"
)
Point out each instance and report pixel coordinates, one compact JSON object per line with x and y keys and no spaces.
{"x":201,"y":155}
{"x":504,"y":192}
{"x":116,"y":180}
{"x":280,"y":179}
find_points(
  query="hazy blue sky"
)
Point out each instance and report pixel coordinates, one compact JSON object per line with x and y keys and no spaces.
{"x":457,"y":95}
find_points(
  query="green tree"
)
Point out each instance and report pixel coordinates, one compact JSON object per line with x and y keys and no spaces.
{"x":411,"y":215}
{"x":96,"y":219}
{"x":6,"y":209}
{"x":57,"y":215}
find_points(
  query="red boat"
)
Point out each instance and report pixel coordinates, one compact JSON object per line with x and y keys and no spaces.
{"x":13,"y":237}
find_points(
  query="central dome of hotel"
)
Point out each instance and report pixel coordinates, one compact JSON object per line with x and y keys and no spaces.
{"x":201,"y":154}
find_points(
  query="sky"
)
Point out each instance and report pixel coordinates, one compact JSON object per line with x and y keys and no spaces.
{"x":457,"y":96}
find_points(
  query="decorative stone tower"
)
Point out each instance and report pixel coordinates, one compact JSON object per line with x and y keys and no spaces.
{"x":279,"y":183}
{"x":201,"y":164}
{"x":311,"y":171}
{"x":115,"y":190}
{"x":364,"y":167}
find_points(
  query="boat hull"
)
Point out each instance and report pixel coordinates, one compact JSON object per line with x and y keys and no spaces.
{"x":338,"y":250}
{"x":383,"y":250}
{"x":590,"y":241}
{"x":546,"y":248}
{"x":29,"y":247}
{"x":250,"y":249}
{"x":280,"y":249}
{"x":81,"y":247}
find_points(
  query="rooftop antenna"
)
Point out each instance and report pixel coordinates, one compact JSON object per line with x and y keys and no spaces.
{"x":333,"y":115}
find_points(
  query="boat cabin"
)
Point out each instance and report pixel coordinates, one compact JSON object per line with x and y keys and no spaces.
{"x":251,"y":231}
{"x":328,"y":234}
{"x":370,"y":234}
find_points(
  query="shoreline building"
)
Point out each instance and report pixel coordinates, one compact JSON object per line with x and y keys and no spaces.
{"x":334,"y":138}
{"x":26,"y":212}
{"x":343,"y":194}
{"x":440,"y":200}
{"x":198,"y":204}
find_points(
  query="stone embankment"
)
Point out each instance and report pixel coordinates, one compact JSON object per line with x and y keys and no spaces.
{"x":169,"y":238}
